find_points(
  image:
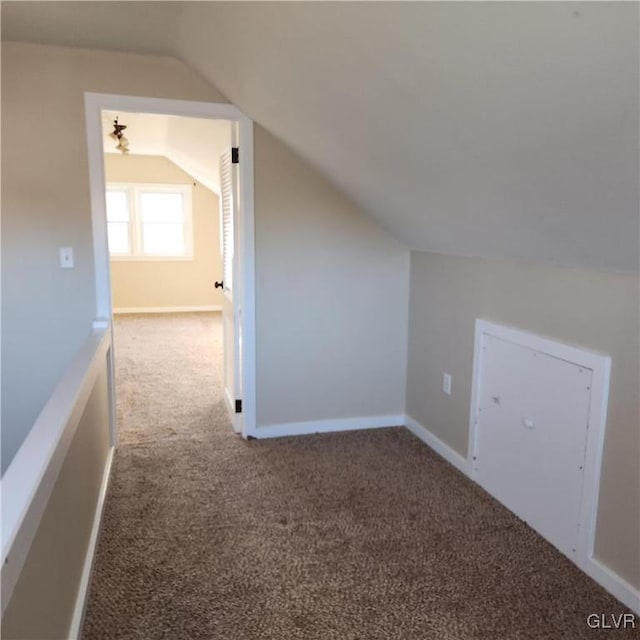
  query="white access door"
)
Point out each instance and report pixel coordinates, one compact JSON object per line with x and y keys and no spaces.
{"x":230,"y":311}
{"x":529,"y":449}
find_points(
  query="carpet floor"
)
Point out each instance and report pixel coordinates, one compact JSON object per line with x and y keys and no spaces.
{"x":356,"y":535}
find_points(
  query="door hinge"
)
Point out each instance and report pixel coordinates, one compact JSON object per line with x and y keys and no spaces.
{"x":238,"y":406}
{"x":235,"y":155}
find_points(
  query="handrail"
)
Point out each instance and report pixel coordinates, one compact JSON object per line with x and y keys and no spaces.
{"x":27,"y":483}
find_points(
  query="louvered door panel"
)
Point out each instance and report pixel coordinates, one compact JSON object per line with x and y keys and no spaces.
{"x":227,"y":208}
{"x":231,"y":349}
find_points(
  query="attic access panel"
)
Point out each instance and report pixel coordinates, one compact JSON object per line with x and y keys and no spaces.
{"x":537,"y":428}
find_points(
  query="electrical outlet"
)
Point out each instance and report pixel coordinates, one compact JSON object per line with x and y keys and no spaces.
{"x":66,"y":258}
{"x":446,"y":383}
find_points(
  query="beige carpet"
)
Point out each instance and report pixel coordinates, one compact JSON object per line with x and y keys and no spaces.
{"x":361,"y":535}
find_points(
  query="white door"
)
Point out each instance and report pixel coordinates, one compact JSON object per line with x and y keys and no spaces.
{"x":228,"y":239}
{"x":531,"y":437}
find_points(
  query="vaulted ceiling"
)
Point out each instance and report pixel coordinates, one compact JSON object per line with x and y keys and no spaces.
{"x":502,"y":130}
{"x":194,"y":144}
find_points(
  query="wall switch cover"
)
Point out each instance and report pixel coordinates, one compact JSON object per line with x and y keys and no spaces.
{"x":66,"y":258}
{"x":446,"y":383}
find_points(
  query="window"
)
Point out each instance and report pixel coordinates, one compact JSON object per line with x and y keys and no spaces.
{"x":118,"y":219}
{"x":149,"y":221}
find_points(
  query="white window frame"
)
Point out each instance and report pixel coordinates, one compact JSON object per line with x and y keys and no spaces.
{"x":134,"y":190}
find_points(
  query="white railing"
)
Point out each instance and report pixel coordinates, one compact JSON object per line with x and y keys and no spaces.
{"x":29,"y":479}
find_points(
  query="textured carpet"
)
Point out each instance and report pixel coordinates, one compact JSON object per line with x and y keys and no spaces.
{"x":340,"y":536}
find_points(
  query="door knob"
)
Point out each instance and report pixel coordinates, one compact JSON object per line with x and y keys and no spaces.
{"x":219,"y":285}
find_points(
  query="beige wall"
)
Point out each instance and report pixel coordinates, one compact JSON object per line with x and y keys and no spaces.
{"x":47,"y":311}
{"x":331,"y":286}
{"x":44,"y":598}
{"x":591,"y":309}
{"x":332,"y":297}
{"x":176,"y":283}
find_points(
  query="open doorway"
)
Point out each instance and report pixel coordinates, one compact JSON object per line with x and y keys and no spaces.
{"x":157,"y":234}
{"x":163,"y":207}
{"x":163,"y":211}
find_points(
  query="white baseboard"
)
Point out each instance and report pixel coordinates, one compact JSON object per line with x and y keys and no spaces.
{"x":603,"y":575}
{"x":613,"y":583}
{"x":449,"y":454}
{"x":85,"y":579}
{"x":188,"y":309}
{"x":327,"y":426}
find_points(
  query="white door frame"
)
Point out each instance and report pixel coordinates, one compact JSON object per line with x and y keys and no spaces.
{"x":95,"y":103}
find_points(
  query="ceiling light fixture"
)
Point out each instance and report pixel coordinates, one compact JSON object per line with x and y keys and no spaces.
{"x":116,"y":134}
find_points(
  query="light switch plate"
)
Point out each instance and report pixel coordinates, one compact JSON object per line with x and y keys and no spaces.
{"x":446,"y":383}
{"x":66,"y":258}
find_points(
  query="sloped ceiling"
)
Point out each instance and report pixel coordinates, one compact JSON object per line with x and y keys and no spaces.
{"x":194,"y":144}
{"x":502,"y":130}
